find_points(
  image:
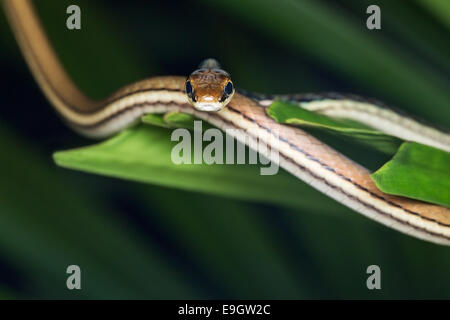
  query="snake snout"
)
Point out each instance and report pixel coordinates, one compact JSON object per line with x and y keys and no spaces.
{"x":205,"y":106}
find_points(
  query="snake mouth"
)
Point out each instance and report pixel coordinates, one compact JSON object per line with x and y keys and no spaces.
{"x":208,"y":106}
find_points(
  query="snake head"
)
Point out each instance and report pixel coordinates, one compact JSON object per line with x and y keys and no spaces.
{"x":209,"y":89}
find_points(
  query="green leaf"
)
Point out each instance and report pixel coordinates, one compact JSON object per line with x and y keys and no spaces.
{"x":143,"y":154}
{"x":179,"y":120}
{"x":284,"y":112}
{"x":417,"y":171}
{"x":154,"y":120}
{"x":170,"y":120}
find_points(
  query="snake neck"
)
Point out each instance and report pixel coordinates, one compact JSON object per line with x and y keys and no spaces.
{"x":209,"y":64}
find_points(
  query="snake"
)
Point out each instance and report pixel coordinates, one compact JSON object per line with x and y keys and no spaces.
{"x":209,"y":95}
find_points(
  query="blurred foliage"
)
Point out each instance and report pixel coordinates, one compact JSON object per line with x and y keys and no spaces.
{"x":440,"y":9}
{"x":140,"y":241}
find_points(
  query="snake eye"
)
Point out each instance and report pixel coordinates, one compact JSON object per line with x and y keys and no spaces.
{"x":229,"y":88}
{"x":190,"y":91}
{"x":188,"y":88}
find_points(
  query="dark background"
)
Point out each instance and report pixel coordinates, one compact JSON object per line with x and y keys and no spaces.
{"x":141,"y":241}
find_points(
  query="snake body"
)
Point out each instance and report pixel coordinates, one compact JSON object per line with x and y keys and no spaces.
{"x":301,"y":154}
